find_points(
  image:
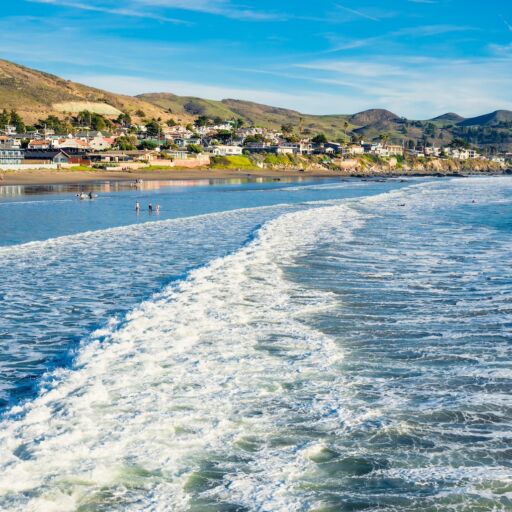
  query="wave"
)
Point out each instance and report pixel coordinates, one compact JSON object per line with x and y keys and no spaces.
{"x":202,"y":368}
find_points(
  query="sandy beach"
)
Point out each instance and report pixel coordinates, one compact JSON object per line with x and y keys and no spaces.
{"x":48,"y":177}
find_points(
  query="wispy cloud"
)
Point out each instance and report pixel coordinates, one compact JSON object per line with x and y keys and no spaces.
{"x":110,"y":10}
{"x":343,"y":44}
{"x":357,"y":13}
{"x":418,"y":86}
{"x":507,"y":23}
{"x":223,"y":8}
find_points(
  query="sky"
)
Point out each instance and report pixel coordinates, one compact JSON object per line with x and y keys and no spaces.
{"x":417,"y":58}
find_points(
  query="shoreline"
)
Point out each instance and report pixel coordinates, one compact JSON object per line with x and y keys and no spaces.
{"x":65,"y":177}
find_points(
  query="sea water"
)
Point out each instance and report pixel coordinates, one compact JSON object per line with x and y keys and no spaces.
{"x":315,"y":346}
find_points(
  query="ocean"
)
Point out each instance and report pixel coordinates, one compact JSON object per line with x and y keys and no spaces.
{"x":314,"y":345}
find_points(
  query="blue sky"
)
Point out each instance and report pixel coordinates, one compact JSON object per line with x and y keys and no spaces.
{"x":418,"y":58}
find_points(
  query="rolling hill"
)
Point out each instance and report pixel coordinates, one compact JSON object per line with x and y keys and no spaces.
{"x":493,"y":119}
{"x":450,"y":117}
{"x":252,"y":113}
{"x":36,"y":94}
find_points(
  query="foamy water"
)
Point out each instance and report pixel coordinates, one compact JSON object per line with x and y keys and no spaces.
{"x":335,"y":355}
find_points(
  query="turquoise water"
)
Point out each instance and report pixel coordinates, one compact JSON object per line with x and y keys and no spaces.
{"x":312,"y":346}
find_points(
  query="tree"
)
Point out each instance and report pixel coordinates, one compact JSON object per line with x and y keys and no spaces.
{"x":92,"y":120}
{"x":171,"y":122}
{"x":202,"y":121}
{"x":98,"y":123}
{"x":194,"y":148}
{"x":5,"y":118}
{"x":124,"y":119}
{"x":459,"y":143}
{"x":140,"y":113}
{"x":148,"y":144}
{"x":287,"y":128}
{"x":54,"y":123}
{"x":254,"y":139}
{"x":17,"y":121}
{"x":319,"y":139}
{"x":239,"y":123}
{"x":84,"y":118}
{"x":384,"y":138}
{"x":126,"y":143}
{"x":224,"y":136}
{"x":292,"y":138}
{"x":153,"y":129}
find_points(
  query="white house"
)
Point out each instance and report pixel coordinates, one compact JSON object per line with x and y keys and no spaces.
{"x":226,"y":150}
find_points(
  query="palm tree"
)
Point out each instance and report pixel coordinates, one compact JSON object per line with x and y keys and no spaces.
{"x":384,"y":138}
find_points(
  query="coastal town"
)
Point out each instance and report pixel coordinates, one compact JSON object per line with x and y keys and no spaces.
{"x":97,"y":142}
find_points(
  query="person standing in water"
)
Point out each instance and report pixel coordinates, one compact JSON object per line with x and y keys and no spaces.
{"x":137,"y":207}
{"x":150,"y":208}
{"x":157,"y":208}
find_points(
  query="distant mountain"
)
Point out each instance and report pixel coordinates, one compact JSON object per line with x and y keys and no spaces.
{"x":492,"y":119}
{"x":373,"y":116}
{"x":252,"y":113}
{"x":35,"y":94}
{"x":449,"y":117}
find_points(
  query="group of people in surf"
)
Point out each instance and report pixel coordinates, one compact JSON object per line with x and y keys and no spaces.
{"x":151,"y":209}
{"x":82,"y":196}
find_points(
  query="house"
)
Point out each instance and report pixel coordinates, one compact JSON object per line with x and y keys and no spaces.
{"x":7,"y":142}
{"x":294,"y":148}
{"x":226,"y":150}
{"x":332,"y":147}
{"x":52,"y":156}
{"x":395,"y":149}
{"x":415,"y":153}
{"x":11,"y":156}
{"x":40,"y":144}
{"x":101,"y":143}
{"x":89,"y":134}
{"x":355,"y":149}
{"x":177,"y":155}
{"x":433,"y":151}
{"x":72,"y":144}
{"x":263,"y":147}
{"x":112,"y":157}
{"x":9,"y":129}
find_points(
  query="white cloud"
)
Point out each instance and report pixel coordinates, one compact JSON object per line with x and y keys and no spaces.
{"x":110,"y":10}
{"x":420,"y":87}
{"x":217,"y":7}
{"x":355,"y":12}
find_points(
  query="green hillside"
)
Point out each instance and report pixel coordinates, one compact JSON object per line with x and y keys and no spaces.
{"x":35,"y":95}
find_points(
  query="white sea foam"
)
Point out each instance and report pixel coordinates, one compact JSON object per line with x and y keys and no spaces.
{"x":202,"y":368}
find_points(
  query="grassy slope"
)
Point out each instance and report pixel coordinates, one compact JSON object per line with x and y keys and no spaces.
{"x":252,"y":113}
{"x":34,"y":94}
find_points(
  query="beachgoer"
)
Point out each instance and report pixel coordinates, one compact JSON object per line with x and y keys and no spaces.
{"x":137,"y":206}
{"x":150,"y":208}
{"x":91,"y":196}
{"x":157,"y":208}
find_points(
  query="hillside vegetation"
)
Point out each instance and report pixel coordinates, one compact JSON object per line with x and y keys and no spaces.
{"x":35,"y":94}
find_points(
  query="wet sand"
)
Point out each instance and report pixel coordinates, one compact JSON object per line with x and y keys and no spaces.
{"x":49,"y":177}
